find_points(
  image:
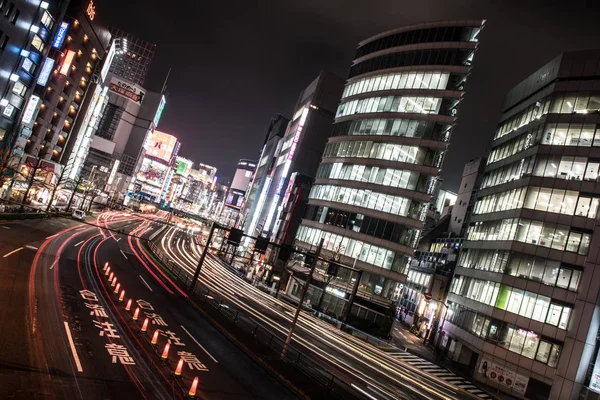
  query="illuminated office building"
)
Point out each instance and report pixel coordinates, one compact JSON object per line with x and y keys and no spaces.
{"x":133,"y":62}
{"x":381,"y":163}
{"x":27,"y":32}
{"x":298,"y":151}
{"x":524,"y":297}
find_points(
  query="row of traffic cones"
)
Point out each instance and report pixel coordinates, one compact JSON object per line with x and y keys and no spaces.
{"x":112,"y":279}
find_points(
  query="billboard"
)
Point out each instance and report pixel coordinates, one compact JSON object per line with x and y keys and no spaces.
{"x":183,"y":166}
{"x":128,"y":90}
{"x":46,"y":71}
{"x":161,"y":107}
{"x":61,"y":33}
{"x":152,"y":172}
{"x":161,"y":146}
{"x":67,"y":61}
{"x":108,"y":60}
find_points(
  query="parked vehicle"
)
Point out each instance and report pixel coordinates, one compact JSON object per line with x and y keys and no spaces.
{"x":79,"y":214}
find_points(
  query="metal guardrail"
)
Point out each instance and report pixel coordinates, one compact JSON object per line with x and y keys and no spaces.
{"x":318,"y":372}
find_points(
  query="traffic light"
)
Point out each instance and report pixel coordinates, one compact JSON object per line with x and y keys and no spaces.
{"x":261,"y":244}
{"x":235,"y":236}
{"x":285,"y":253}
{"x":332,"y":269}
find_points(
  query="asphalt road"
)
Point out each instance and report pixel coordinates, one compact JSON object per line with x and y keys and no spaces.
{"x":373,"y":369}
{"x":71,"y":337}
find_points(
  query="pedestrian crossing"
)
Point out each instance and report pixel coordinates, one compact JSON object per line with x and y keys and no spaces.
{"x":439,"y":372}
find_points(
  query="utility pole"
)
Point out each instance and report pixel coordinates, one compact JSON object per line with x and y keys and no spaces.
{"x":288,"y":340}
{"x":353,"y":296}
{"x":31,"y":178}
{"x":202,"y":257}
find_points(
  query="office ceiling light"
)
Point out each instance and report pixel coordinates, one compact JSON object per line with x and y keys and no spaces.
{"x":34,"y":28}
{"x":44,"y":5}
{"x":14,"y":77}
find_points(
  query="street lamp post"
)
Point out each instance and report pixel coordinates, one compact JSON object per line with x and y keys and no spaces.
{"x":288,"y":340}
{"x":202,"y":257}
{"x":440,"y":329}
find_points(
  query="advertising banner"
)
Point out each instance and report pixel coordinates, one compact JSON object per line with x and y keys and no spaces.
{"x":161,"y":146}
{"x":504,"y":376}
{"x":152,"y":172}
{"x":127,"y":90}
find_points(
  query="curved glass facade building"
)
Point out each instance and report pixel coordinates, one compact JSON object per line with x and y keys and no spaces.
{"x":381,"y":163}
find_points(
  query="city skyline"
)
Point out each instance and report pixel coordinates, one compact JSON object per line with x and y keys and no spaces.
{"x":279,"y":65}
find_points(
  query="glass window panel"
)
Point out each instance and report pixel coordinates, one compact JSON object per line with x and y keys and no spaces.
{"x":554,"y":314}
{"x":531,"y":344}
{"x":568,"y":104}
{"x":543,"y":352}
{"x":574,"y":284}
{"x":574,"y":241}
{"x":564,"y":277}
{"x":583,"y":206}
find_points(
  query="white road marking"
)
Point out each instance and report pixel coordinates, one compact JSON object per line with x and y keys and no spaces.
{"x":12,"y":252}
{"x":82,"y":228}
{"x":199,"y":345}
{"x":53,"y":264}
{"x":79,"y":243}
{"x":146,"y":283}
{"x":30,"y":247}
{"x":6,"y":227}
{"x":75,"y":356}
{"x":123,"y":254}
{"x":364,"y":392}
{"x":119,"y":239}
{"x":50,"y":237}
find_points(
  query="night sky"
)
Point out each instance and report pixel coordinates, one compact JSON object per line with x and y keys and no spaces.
{"x":236,"y":63}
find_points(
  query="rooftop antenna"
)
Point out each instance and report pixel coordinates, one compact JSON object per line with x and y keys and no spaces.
{"x":164,"y":88}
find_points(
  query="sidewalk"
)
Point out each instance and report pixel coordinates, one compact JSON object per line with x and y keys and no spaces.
{"x":404,"y":339}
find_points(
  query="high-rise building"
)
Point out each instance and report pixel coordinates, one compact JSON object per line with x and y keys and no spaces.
{"x":381,"y":164}
{"x":266,"y":163}
{"x":72,"y":96}
{"x":117,"y":147}
{"x":237,"y":192}
{"x":28,"y":31}
{"x":523,"y":304}
{"x":133,"y":60}
{"x":471,"y":180}
{"x":298,"y":151}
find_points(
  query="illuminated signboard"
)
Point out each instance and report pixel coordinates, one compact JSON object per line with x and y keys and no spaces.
{"x":161,"y":107}
{"x":46,"y":71}
{"x":30,"y":109}
{"x":66,"y":65}
{"x":127,"y":90}
{"x":60,"y":35}
{"x":91,"y":10}
{"x":108,"y":60}
{"x":161,"y":146}
{"x":152,"y":172}
{"x":113,"y":172}
{"x":183,"y":166}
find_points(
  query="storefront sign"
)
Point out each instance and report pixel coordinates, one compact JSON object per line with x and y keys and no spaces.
{"x":504,"y":376}
{"x":30,"y":109}
{"x":60,"y":35}
{"x":46,"y":71}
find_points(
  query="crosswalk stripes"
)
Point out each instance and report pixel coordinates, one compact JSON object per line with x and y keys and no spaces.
{"x":439,"y":372}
